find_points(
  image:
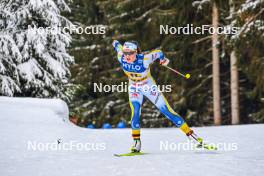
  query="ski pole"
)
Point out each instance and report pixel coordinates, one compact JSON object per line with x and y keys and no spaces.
{"x":187,"y":76}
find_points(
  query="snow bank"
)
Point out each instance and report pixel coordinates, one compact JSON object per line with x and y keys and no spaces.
{"x":58,"y":106}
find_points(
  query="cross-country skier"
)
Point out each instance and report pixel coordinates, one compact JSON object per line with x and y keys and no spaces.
{"x":137,"y":67}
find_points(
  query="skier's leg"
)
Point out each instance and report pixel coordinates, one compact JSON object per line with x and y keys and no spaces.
{"x":135,"y":101}
{"x":161,"y":102}
{"x":166,"y":109}
{"x":157,"y":98}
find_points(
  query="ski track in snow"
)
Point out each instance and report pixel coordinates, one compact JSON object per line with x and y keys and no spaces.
{"x":31,"y":121}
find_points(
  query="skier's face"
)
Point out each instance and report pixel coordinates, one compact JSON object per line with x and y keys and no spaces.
{"x":130,"y":55}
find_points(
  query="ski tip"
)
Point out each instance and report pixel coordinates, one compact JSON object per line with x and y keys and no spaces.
{"x":117,"y":155}
{"x":130,"y":154}
{"x":206,"y":146}
{"x":211,"y":148}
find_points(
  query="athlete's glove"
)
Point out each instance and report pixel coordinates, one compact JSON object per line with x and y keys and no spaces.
{"x":164,"y":61}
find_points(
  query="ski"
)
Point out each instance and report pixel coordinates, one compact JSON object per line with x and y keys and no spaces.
{"x":130,"y":154}
{"x":201,"y":144}
{"x":206,"y":146}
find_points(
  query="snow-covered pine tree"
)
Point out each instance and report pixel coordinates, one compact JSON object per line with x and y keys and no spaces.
{"x":35,"y":47}
{"x":9,"y":54}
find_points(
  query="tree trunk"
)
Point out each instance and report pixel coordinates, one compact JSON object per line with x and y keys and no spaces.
{"x":234,"y":89}
{"x":234,"y":79}
{"x":216,"y":68}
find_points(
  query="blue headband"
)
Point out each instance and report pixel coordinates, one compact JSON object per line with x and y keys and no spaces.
{"x":130,"y":46}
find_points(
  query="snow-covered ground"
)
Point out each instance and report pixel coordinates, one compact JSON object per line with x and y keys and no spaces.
{"x":29,"y":123}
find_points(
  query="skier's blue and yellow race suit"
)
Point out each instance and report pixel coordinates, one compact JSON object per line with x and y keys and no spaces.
{"x":142,"y":84}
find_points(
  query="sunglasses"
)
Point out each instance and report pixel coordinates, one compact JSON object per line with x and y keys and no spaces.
{"x":129,"y":53}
